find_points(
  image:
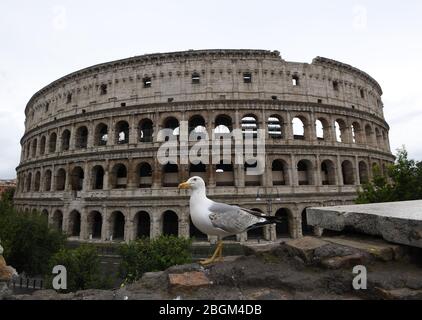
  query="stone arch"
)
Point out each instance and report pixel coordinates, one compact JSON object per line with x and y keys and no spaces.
{"x":97,"y":177}
{"x":75,"y":223}
{"x":328,"y":172}
{"x":42,"y":145}
{"x":144,"y":175}
{"x":347,"y":172}
{"x":300,"y":127}
{"x":305,"y":172}
{"x":117,"y":225}
{"x":223,"y":124}
{"x":142,"y":222}
{"x":65,"y":140}
{"x":279,"y":170}
{"x":341,"y":130}
{"x":275,"y":127}
{"x":34,"y":148}
{"x":60,"y":179}
{"x":81,"y":137}
{"x":52,"y":143}
{"x":101,"y":134}
{"x":37,"y":181}
{"x":363,"y":172}
{"x":197,"y":125}
{"x":357,"y":133}
{"x":118,"y":177}
{"x":122,"y":132}
{"x":146,"y":130}
{"x":250,"y":124}
{"x":28,"y":150}
{"x":95,"y":224}
{"x":378,"y":137}
{"x":322,"y":129}
{"x":224,"y":175}
{"x":171,"y":123}
{"x":170,"y":223}
{"x":369,"y":135}
{"x":170,"y":175}
{"x":28,"y":182}
{"x":57,"y":220}
{"x":283,"y":229}
{"x":77,"y":178}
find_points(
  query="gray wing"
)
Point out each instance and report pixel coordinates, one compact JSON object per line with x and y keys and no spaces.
{"x":232,"y":219}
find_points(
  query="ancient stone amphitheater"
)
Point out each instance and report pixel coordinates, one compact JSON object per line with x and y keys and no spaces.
{"x":89,"y":150}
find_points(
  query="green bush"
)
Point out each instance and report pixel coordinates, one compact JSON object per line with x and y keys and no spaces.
{"x":28,"y":241}
{"x":146,"y":255}
{"x":83,"y":268}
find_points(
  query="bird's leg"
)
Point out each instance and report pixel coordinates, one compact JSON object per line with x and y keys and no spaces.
{"x":217,"y":256}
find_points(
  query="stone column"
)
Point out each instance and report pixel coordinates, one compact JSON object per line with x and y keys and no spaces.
{"x":289,"y":127}
{"x":293,"y":175}
{"x":133,"y":131}
{"x":339,"y":172}
{"x":106,"y":225}
{"x":318,"y":181}
{"x":357,"y":179}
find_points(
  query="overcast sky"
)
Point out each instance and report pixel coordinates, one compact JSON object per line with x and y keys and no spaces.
{"x":41,"y":41}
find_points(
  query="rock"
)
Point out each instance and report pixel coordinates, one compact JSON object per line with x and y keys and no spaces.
{"x":397,"y":222}
{"x":305,"y":247}
{"x":188,"y":281}
{"x":185,"y":268}
{"x":399,"y":294}
{"x":343,"y":262}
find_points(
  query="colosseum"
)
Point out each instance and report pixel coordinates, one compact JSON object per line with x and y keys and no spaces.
{"x":89,"y":151}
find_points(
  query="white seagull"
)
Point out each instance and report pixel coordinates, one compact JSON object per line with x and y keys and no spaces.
{"x":220,"y":219}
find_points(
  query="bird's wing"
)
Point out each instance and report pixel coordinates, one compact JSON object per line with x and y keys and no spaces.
{"x":232,"y":219}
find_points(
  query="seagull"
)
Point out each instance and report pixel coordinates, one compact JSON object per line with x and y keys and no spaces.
{"x":220,"y":219}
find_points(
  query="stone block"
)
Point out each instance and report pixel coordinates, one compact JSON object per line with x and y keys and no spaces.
{"x":305,"y":247}
{"x":188,"y":281}
{"x":343,"y":262}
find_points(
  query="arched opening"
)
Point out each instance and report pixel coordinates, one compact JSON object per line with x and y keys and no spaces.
{"x":378,"y":137}
{"x":369,"y":135}
{"x":341,"y":134}
{"x":52,"y":143}
{"x":363,"y":172}
{"x":28,"y":182}
{"x":275,"y":127}
{"x":195,"y":233}
{"x":170,"y":175}
{"x":198,"y":169}
{"x":347,"y":172}
{"x":60,"y":180}
{"x":384,"y":139}
{"x":42,"y":145}
{"x":37,"y":181}
{"x":47,"y":180}
{"x":251,"y":180}
{"x":170,"y":223}
{"x":145,"y":175}
{"x":143,"y":225}
{"x":279,"y":173}
{"x":81,"y":137}
{"x":122,"y":132}
{"x":283,"y":228}
{"x":223,"y":124}
{"x":357,"y":133}
{"x":118,"y":225}
{"x":172,"y":123}
{"x":306,"y":229}
{"x":257,"y":233}
{"x":58,"y":220}
{"x":224,"y":175}
{"x":101,"y":134}
{"x":75,"y":223}
{"x":249,"y":125}
{"x":304,"y":173}
{"x":28,"y":150}
{"x":77,"y":179}
{"x":34,"y":148}
{"x":299,"y":128}
{"x":197,"y":125}
{"x":322,"y":129}
{"x":44,"y":215}
{"x":95,"y":224}
{"x":65,"y":140}
{"x":119,"y":176}
{"x":97,"y":178}
{"x":146,"y":130}
{"x":328,"y":174}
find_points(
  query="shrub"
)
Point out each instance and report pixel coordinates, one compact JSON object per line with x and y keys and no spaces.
{"x":82,"y":266}
{"x":146,"y":255}
{"x":28,"y":241}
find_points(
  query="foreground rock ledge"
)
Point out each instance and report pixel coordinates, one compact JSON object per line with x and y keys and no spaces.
{"x":398,"y":222}
{"x":307,"y":268}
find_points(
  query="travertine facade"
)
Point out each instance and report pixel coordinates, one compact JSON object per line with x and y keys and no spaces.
{"x":89,"y":150}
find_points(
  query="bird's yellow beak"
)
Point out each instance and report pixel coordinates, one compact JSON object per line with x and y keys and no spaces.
{"x":184,"y":185}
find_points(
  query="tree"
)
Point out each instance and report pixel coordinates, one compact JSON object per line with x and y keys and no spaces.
{"x":403,"y":182}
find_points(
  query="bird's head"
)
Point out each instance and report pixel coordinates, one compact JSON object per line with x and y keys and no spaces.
{"x":193,"y":183}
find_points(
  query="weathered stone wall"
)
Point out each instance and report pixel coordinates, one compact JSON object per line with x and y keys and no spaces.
{"x":58,"y":174}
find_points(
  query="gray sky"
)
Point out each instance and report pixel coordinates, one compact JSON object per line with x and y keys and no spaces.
{"x":41,"y":41}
